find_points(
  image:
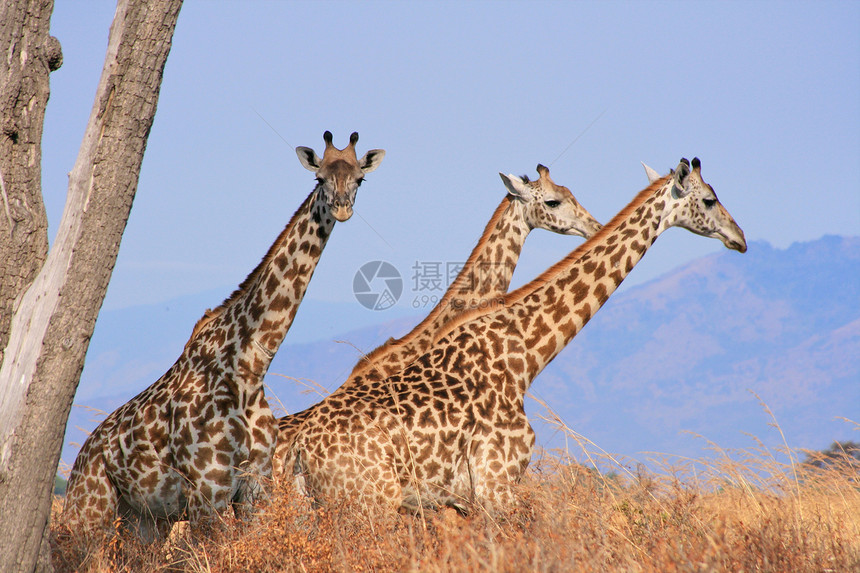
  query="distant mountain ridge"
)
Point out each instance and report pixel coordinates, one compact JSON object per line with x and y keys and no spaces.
{"x":682,"y":353}
{"x":686,"y":351}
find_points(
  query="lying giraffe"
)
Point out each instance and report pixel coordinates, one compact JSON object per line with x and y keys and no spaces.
{"x":450,"y":429}
{"x":484,"y":277}
{"x":198,"y":438}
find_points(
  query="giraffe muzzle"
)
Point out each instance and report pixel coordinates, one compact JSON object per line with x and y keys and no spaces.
{"x":584,"y":228}
{"x":731,"y":234}
{"x":740,"y":246}
{"x":342,"y":212}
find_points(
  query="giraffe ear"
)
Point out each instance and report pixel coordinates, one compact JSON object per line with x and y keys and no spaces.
{"x":515,"y":186}
{"x":308,"y":158}
{"x":680,"y":179}
{"x":650,"y":173}
{"x":371,"y":159}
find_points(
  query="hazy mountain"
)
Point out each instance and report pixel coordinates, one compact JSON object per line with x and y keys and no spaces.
{"x":682,"y":353}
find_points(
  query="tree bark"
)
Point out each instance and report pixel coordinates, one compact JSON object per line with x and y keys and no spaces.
{"x":55,"y":318}
{"x":29,"y":54}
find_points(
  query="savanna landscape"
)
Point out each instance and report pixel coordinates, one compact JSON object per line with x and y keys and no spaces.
{"x":739,"y":502}
{"x":538,"y":416}
{"x":735,"y":511}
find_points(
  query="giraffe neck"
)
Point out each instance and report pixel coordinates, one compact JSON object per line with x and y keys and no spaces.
{"x":539,"y":319}
{"x":485,"y":275}
{"x":488,"y":270}
{"x":252,"y":323}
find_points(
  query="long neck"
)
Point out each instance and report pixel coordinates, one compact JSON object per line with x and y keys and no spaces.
{"x":488,"y":270}
{"x":249,"y":327}
{"x":485,"y":276}
{"x":535,"y":322}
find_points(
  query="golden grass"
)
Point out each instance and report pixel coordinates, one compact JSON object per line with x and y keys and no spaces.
{"x":740,"y":511}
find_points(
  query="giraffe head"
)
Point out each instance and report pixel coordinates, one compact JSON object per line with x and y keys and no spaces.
{"x":695,"y":207}
{"x":339,"y":172}
{"x":550,"y":206}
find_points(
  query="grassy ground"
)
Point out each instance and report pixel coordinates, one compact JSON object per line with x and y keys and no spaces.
{"x":742,"y":512}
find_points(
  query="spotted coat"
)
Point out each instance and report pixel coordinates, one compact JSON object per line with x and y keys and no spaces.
{"x":202,"y":435}
{"x":484,"y":279}
{"x":450,"y":429}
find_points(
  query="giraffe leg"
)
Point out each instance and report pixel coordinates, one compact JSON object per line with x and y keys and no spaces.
{"x":147,"y":526}
{"x":204,"y":501}
{"x":252,"y":487}
{"x":91,"y":498}
{"x":93,"y":501}
{"x":493,"y":479}
{"x":494,"y":496}
{"x":255,"y":472}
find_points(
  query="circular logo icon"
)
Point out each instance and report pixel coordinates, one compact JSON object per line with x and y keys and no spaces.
{"x":377,"y":285}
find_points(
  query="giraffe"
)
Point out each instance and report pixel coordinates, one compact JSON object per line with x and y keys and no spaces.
{"x":198,"y":439}
{"x":450,"y":429}
{"x":487,"y":273}
{"x":484,"y":277}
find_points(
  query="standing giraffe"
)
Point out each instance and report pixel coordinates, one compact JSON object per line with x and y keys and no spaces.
{"x":451,"y":429}
{"x":198,"y":438}
{"x":484,"y":277}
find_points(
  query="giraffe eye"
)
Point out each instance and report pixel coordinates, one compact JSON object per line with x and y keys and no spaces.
{"x":359,"y":181}
{"x":709,"y":203}
{"x":552,"y":204}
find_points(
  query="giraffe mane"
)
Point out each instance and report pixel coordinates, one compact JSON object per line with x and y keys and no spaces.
{"x":211,"y":314}
{"x":391,"y":344}
{"x":548,"y":275}
{"x":208,"y":316}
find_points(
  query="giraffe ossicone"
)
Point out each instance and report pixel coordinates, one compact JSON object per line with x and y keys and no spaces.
{"x":450,"y":428}
{"x":202,"y":436}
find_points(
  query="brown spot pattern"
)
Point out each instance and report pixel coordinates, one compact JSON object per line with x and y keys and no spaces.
{"x":448,"y":427}
{"x":202,"y":436}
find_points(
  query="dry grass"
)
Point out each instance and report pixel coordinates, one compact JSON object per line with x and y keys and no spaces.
{"x":742,"y":511}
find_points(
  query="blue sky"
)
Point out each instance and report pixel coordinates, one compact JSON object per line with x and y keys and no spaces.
{"x":767,"y":94}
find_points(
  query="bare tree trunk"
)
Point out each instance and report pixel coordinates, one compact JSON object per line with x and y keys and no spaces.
{"x":51,"y":328}
{"x":29,"y":54}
